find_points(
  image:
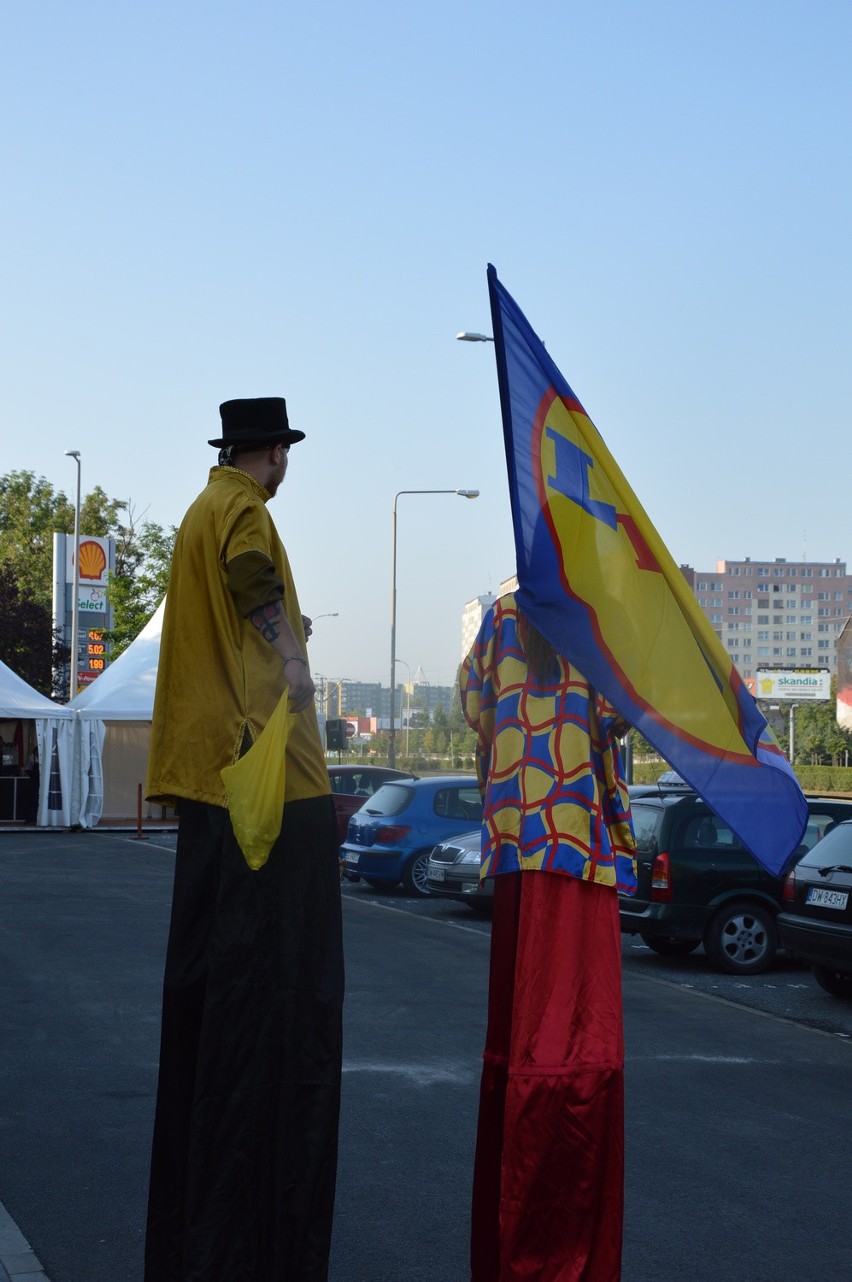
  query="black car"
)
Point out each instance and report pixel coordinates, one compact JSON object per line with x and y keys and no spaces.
{"x":816,"y":923}
{"x":697,"y":883}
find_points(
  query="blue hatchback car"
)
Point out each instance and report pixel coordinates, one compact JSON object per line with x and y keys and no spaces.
{"x":390,"y":838}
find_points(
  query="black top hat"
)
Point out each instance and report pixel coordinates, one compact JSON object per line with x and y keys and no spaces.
{"x":258,"y":421}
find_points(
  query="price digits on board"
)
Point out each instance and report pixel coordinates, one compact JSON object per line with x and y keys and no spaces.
{"x":96,"y":651}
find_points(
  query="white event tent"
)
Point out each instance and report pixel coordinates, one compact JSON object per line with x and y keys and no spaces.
{"x":55,"y":736}
{"x":120,"y":703}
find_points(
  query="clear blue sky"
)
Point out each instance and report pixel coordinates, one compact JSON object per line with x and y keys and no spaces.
{"x":209,"y":200}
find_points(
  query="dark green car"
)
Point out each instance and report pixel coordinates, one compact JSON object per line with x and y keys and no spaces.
{"x":697,"y":883}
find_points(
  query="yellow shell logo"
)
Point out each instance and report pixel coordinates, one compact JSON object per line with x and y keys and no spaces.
{"x":92,"y":560}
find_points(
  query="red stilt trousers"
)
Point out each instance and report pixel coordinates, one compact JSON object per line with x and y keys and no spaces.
{"x":548,"y":1189}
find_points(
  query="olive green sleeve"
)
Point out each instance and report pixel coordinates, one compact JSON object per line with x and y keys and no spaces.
{"x":252,"y":582}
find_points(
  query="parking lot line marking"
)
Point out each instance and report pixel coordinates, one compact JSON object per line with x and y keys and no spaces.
{"x":711,"y":997}
{"x":420,"y":1074}
{"x":433,"y":921}
{"x":153,"y":845}
{"x":712,"y":1059}
{"x":651,"y":979}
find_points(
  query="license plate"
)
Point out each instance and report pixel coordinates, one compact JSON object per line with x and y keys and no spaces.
{"x":351,"y":857}
{"x":436,"y":874}
{"x":827,"y":898}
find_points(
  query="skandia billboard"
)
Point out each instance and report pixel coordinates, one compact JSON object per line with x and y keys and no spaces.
{"x":801,"y":684}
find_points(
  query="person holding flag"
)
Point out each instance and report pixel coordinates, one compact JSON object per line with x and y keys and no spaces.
{"x":602,"y":633}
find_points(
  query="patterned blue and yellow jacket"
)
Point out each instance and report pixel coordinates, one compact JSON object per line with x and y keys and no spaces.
{"x":548,"y":764}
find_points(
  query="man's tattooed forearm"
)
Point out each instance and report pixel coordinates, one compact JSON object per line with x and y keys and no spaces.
{"x":266,"y":621}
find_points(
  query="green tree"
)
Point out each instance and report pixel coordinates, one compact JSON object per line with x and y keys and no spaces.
{"x":28,"y":643}
{"x":440,"y":730}
{"x":641,"y":746}
{"x":819,"y":740}
{"x":464,"y":739}
{"x":142,"y":562}
{"x":99,"y":515}
{"x":31,"y":511}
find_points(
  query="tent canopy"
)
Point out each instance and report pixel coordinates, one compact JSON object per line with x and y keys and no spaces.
{"x":19,"y":700}
{"x":125,"y":691}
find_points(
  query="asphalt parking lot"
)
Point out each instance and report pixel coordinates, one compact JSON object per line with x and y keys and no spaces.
{"x":736,"y":1114}
{"x":787,"y":990}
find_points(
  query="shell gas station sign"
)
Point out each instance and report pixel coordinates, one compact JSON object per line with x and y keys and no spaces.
{"x":93,"y":577}
{"x":92,"y":604}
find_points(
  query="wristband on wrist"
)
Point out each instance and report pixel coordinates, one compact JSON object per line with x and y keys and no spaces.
{"x":297,"y":657}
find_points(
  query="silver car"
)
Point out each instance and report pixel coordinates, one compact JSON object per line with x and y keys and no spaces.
{"x":453,"y":871}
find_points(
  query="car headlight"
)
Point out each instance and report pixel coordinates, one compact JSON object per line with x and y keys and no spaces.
{"x":470,"y":857}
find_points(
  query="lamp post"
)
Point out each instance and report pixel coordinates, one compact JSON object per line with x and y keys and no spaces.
{"x":793,"y":707}
{"x":407,"y":702}
{"x":468,"y":336}
{"x":465,"y":494}
{"x":320,"y":692}
{"x":75,"y":586}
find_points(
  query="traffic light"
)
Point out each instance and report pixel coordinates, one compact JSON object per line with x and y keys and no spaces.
{"x":335,"y":736}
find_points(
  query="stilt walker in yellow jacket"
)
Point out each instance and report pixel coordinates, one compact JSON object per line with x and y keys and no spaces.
{"x":245,"y":1136}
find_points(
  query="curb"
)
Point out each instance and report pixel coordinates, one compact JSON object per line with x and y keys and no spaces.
{"x":18,"y":1261}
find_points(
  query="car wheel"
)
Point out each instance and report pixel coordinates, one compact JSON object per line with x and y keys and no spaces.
{"x":378,"y":883}
{"x":414,"y":873}
{"x":836,"y":982}
{"x":668,"y":947}
{"x":741,"y":939}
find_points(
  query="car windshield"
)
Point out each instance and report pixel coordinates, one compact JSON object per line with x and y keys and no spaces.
{"x":646,"y":825}
{"x":819,"y":825}
{"x":390,"y":799}
{"x":835,"y":848}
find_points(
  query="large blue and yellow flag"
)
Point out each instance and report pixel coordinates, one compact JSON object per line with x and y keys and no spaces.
{"x":597,"y":581}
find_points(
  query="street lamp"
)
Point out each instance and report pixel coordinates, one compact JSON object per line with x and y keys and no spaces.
{"x":75,"y":586}
{"x":332,"y":615}
{"x":793,"y":707}
{"x":465,"y":494}
{"x":468,"y":336}
{"x":407,"y":703}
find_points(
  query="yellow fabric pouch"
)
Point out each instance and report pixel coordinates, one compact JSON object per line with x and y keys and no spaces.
{"x":255,"y":788}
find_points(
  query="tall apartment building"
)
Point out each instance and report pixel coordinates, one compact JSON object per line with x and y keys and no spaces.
{"x":779,"y":613}
{"x":472,"y":616}
{"x":344,"y":698}
{"x":474,"y":612}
